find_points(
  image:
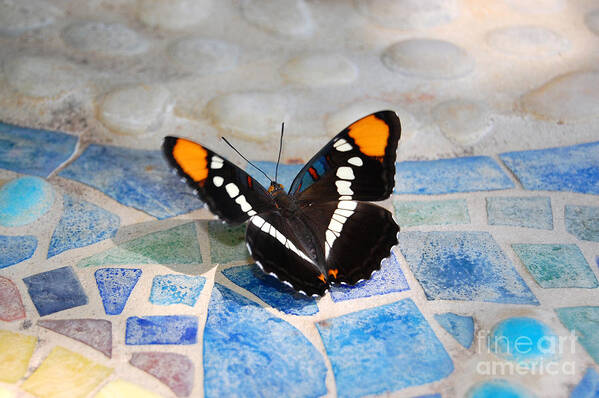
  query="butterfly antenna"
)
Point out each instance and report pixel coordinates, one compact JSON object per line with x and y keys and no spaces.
{"x":244,"y":158}
{"x":280,"y":150}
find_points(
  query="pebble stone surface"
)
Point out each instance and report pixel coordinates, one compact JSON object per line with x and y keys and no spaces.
{"x":116,"y":281}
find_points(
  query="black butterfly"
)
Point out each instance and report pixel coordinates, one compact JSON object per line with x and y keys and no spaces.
{"x":321,"y":232}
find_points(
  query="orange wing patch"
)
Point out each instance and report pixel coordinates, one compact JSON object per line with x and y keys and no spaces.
{"x":371,"y":135}
{"x":192,"y":158}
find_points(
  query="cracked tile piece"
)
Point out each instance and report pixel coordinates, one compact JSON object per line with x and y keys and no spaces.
{"x":570,"y":168}
{"x":174,"y":370}
{"x":388,"y":279}
{"x":82,"y":224}
{"x":176,"y":289}
{"x":15,"y":352}
{"x":96,"y":333}
{"x":178,"y":245}
{"x":133,"y":177}
{"x":459,"y":326}
{"x":588,"y":386}
{"x":585,"y":322}
{"x":431,"y":212}
{"x":11,"y":305}
{"x":34,"y":152}
{"x":162,"y":329}
{"x":583,"y":222}
{"x":65,"y":374}
{"x":227,"y":243}
{"x":556,"y":265}
{"x":271,"y":290}
{"x":284,"y":363}
{"x":56,"y":290}
{"x":15,"y":249}
{"x":432,"y":177}
{"x":121,"y":388}
{"x":115,"y":286}
{"x":367,"y":359}
{"x":528,"y":212}
{"x":463,"y":266}
{"x":24,"y":200}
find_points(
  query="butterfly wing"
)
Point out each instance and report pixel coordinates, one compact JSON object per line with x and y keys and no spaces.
{"x":355,"y":237}
{"x":229,"y":192}
{"x":358,"y":164}
{"x":286,"y":247}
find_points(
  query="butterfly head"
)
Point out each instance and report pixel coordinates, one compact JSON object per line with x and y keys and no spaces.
{"x":275,"y":188}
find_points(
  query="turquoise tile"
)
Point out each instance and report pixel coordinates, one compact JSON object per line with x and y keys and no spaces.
{"x":556,"y":265}
{"x":463,"y":266}
{"x":435,"y":212}
{"x":383,"y":349}
{"x":24,"y":200}
{"x":498,"y":388}
{"x":248,"y":351}
{"x":585,"y":322}
{"x":583,"y":222}
{"x":570,"y":168}
{"x":176,"y":289}
{"x":528,"y":212}
{"x":524,"y":340}
{"x":459,"y":326}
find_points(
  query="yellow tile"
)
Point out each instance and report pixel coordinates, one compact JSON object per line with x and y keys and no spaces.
{"x":123,"y":389}
{"x":15,"y":351}
{"x":4,"y":393}
{"x":65,"y":374}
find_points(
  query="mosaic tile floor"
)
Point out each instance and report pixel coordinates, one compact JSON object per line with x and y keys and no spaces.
{"x":116,"y":282}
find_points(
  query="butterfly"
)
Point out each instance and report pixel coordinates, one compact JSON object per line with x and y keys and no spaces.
{"x":324,"y":230}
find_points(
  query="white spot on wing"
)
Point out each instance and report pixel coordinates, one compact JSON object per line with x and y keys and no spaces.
{"x":339,"y":142}
{"x":343,"y":187}
{"x":339,"y":218}
{"x":243,"y":203}
{"x":356,"y":161}
{"x":344,"y":148}
{"x":218,"y":181}
{"x":347,"y":205}
{"x":335,"y":225}
{"x":251,"y":213}
{"x":258,"y":221}
{"x":232,"y":189}
{"x":346,"y":173}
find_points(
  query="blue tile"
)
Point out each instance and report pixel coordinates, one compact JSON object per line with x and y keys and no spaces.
{"x":115,"y":286}
{"x":176,"y":289}
{"x":35,"y":152}
{"x":388,"y":279}
{"x":383,"y":349}
{"x":82,"y":224}
{"x":463,"y":266}
{"x":588,"y":386}
{"x":431,"y":177}
{"x":528,"y":212}
{"x":459,"y":326}
{"x":498,"y":388}
{"x":24,"y":200}
{"x":133,"y":177}
{"x":162,"y":329}
{"x":429,"y":396}
{"x":271,"y":290}
{"x":55,"y":290}
{"x":583,"y":222}
{"x":14,"y":249}
{"x":287,"y":172}
{"x":248,"y":351}
{"x":584,"y":321}
{"x":571,"y":169}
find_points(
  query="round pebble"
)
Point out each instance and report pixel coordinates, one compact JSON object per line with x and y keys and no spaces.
{"x":18,"y":16}
{"x":536,"y":7}
{"x":527,"y":40}
{"x":463,"y":121}
{"x":497,"y":388}
{"x":429,"y":59}
{"x":566,"y":98}
{"x":524,"y":340}
{"x":592,"y":21}
{"x":135,"y":110}
{"x":253,"y":116}
{"x":24,"y":200}
{"x":173,"y":14}
{"x":286,"y":17}
{"x":104,"y":38}
{"x":408,"y":14}
{"x":319,"y":70}
{"x":204,"y":56}
{"x":39,"y":76}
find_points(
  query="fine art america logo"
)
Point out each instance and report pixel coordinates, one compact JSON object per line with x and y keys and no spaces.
{"x":526,"y":354}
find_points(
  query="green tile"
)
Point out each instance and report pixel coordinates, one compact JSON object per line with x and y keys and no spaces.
{"x":227,"y":243}
{"x":585,"y":322}
{"x":436,"y":212}
{"x":177,"y":245}
{"x":556,"y":265}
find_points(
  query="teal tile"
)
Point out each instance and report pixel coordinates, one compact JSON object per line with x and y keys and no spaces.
{"x":227,"y":243}
{"x":583,"y":222}
{"x":528,"y":212}
{"x":435,"y":212}
{"x":585,"y":322}
{"x":24,"y":200}
{"x":556,"y":265}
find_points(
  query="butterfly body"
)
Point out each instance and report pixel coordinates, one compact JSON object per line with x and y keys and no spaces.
{"x":324,"y":230}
